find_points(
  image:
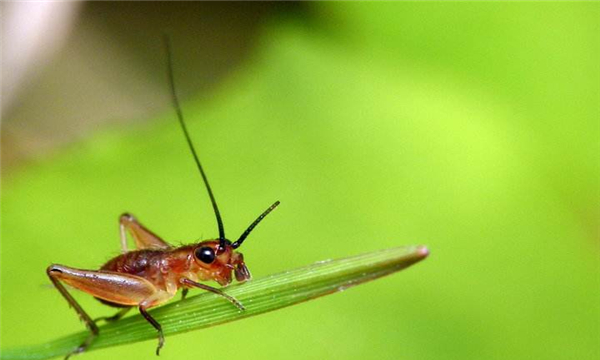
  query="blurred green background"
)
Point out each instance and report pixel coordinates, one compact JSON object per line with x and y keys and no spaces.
{"x":472,"y":128}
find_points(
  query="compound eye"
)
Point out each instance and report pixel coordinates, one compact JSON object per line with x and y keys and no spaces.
{"x":205,"y":254}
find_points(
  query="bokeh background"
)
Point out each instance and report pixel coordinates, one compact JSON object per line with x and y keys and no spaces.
{"x":472,"y":128}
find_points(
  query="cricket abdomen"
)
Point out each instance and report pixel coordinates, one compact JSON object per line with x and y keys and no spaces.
{"x":142,"y":263}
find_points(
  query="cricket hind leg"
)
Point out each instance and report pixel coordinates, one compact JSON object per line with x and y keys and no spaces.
{"x":89,"y":323}
{"x":110,"y":287}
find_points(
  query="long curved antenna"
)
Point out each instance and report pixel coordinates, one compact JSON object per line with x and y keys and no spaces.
{"x":189,"y":141}
{"x":239,"y":241}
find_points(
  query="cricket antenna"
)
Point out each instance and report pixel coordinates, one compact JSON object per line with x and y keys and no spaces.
{"x":222,"y":239}
{"x":243,"y":237}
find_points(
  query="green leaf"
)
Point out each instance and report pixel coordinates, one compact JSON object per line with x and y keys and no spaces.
{"x":258,"y":296}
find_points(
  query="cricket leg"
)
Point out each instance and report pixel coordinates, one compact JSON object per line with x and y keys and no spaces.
{"x":115,"y":317}
{"x":144,"y":238}
{"x":231,"y":299}
{"x":89,"y":323}
{"x":117,"y":288}
{"x":154,"y":300}
{"x":184,"y":293}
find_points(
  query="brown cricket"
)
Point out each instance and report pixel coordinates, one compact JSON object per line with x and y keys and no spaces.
{"x":152,"y":274}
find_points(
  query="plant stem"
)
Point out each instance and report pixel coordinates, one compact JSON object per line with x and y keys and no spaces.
{"x":258,"y":296}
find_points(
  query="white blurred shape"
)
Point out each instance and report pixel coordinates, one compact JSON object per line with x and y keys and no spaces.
{"x":32,"y":33}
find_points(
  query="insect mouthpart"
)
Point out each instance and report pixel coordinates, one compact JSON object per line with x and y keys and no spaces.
{"x":242,"y":273}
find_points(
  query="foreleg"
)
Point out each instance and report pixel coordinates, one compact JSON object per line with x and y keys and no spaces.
{"x":190,"y":283}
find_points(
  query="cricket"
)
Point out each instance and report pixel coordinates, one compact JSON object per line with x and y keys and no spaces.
{"x":152,"y":273}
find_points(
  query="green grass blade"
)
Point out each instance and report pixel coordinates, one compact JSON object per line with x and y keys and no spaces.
{"x":258,"y":296}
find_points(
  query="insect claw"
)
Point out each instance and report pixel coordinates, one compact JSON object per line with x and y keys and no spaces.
{"x":236,"y":303}
{"x":232,"y":300}
{"x":161,"y":342}
{"x":79,"y":350}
